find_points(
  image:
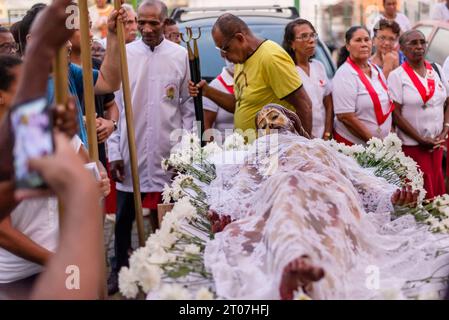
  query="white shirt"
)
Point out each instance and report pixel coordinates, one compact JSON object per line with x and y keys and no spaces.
{"x":440,"y":12}
{"x":401,"y":20}
{"x":317,"y":86}
{"x":161,"y":104}
{"x":350,"y":95}
{"x":427,"y":122}
{"x":37,"y":219}
{"x":446,"y":69}
{"x":225,"y":120}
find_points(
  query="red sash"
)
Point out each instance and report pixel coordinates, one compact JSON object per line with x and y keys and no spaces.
{"x":380,"y":116}
{"x":426,"y":96}
{"x":341,"y":139}
{"x":228,"y":87}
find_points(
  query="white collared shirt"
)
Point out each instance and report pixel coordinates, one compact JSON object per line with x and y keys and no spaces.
{"x":440,"y":12}
{"x":350,"y":95}
{"x":446,"y":71}
{"x":428,"y":122}
{"x":161,"y":104}
{"x":317,"y":86}
{"x":401,"y":19}
{"x":225,"y":120}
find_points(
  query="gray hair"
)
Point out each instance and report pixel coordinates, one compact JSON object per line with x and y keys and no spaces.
{"x":403,"y":38}
{"x":128,"y":8}
{"x":156,"y":3}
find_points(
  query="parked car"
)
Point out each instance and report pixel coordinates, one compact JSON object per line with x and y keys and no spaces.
{"x":266,"y":22}
{"x":437,"y":33}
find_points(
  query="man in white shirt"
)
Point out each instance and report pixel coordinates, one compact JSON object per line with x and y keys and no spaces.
{"x":159,"y":75}
{"x":440,"y":11}
{"x":218,"y":122}
{"x":391,"y":13}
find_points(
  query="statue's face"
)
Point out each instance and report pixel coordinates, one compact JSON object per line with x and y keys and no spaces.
{"x":271,"y":118}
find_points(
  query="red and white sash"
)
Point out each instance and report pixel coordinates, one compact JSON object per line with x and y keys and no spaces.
{"x":380,"y":116}
{"x":426,"y":96}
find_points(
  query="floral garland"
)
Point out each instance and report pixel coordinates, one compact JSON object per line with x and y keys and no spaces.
{"x":175,"y":252}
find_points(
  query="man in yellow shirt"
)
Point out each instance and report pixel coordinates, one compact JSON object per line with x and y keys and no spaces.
{"x":264,"y":73}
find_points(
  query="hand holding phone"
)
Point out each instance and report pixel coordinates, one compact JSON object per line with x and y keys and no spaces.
{"x":33,"y":138}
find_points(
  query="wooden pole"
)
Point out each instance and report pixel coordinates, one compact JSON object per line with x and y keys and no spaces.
{"x":130,"y":128}
{"x":88,"y":82}
{"x":60,"y":71}
{"x":89,"y":107}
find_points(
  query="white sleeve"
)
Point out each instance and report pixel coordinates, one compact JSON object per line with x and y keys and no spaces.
{"x":446,"y":71}
{"x":344,"y":92}
{"x":209,"y":104}
{"x":76,"y":143}
{"x":395,"y":86}
{"x":113,"y":141}
{"x":186,"y":102}
{"x":436,"y":13}
{"x":444,"y":78}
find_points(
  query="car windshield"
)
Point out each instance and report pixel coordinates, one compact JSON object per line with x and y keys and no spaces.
{"x":212,"y":63}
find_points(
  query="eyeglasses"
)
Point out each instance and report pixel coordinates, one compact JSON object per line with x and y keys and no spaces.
{"x":307,"y":36}
{"x":9,"y":47}
{"x":225,"y":48}
{"x":174,"y":35}
{"x":385,"y":39}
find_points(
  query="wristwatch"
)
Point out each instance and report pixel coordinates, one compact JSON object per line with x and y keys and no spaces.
{"x":115,"y":124}
{"x":446,"y":124}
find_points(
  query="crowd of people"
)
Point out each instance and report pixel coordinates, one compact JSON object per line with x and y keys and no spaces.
{"x":383,"y":84}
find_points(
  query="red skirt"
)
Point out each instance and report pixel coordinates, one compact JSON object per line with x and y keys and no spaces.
{"x":151,"y":200}
{"x":431,"y":164}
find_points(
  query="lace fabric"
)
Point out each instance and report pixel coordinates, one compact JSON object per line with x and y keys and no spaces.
{"x":298,"y":196}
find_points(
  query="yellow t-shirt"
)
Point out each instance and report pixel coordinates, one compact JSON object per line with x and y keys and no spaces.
{"x":268,"y":76}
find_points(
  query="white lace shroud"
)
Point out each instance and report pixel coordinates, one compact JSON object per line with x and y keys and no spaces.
{"x":320,"y":203}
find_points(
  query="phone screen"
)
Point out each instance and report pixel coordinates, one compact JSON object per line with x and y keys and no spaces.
{"x":33,"y":138}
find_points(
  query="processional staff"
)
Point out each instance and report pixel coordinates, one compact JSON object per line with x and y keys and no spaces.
{"x":130,"y":128}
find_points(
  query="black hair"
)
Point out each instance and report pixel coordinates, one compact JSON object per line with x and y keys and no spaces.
{"x":344,"y":53}
{"x":26,"y":23}
{"x":387,"y":24}
{"x":289,"y":35}
{"x":169,"y":22}
{"x":229,"y":25}
{"x":158,"y":3}
{"x":7,"y":62}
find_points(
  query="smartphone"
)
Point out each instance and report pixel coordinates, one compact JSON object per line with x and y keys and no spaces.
{"x":33,"y":138}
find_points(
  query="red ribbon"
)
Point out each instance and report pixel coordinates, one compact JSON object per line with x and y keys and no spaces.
{"x":228,"y":87}
{"x":418,"y":84}
{"x":380,"y":116}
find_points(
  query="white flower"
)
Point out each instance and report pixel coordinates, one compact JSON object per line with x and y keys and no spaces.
{"x":127,"y":283}
{"x":204,"y":294}
{"x":392,"y":142}
{"x":184,"y":209}
{"x":160,"y":256}
{"x":375,"y":142}
{"x":150,"y":277}
{"x":211,"y":149}
{"x":234,"y":142}
{"x":164,"y":164}
{"x":166,"y":194}
{"x":192,"y":249}
{"x":138,"y":259}
{"x":174,"y":292}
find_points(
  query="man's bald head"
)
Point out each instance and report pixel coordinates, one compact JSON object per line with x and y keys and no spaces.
{"x":229,"y":25}
{"x":155,"y":3}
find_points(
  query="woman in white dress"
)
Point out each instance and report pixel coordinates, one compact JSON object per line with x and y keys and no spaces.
{"x":300,"y":41}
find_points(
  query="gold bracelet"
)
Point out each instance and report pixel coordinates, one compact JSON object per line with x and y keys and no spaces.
{"x":327,"y":134}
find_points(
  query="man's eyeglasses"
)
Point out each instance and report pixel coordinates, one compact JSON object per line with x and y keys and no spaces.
{"x":9,"y":47}
{"x":307,"y":36}
{"x":225,"y":48}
